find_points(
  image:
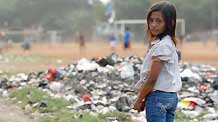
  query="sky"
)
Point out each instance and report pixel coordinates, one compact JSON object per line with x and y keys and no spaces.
{"x":105,"y":1}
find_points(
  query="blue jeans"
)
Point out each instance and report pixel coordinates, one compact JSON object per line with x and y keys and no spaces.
{"x":161,"y":106}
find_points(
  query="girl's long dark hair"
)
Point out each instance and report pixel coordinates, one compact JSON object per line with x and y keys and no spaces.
{"x":168,"y":11}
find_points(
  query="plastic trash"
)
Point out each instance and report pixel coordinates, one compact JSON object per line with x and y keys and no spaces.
{"x":127,"y":71}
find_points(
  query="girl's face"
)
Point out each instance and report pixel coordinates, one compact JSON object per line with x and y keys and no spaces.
{"x":156,"y":23}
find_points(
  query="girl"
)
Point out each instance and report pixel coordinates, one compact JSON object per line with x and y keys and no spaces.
{"x":160,"y":76}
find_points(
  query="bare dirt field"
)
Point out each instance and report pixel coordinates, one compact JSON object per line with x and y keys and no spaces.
{"x":13,"y":113}
{"x":66,"y":53}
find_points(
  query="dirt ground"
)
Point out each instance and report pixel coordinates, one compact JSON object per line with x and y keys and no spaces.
{"x":12,"y":113}
{"x":193,"y":52}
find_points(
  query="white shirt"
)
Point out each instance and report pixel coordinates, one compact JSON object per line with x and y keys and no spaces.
{"x":169,"y":79}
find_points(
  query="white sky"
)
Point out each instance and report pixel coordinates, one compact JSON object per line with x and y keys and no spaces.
{"x":105,"y":1}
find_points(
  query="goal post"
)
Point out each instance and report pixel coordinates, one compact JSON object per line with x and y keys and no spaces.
{"x":120,"y":25}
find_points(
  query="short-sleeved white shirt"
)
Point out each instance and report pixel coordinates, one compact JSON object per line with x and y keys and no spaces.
{"x":169,"y":79}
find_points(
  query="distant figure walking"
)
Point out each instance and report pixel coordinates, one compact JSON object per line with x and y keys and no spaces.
{"x":216,"y":44}
{"x":81,"y":41}
{"x":26,"y":45}
{"x":82,"y":44}
{"x":113,"y":41}
{"x":126,"y":40}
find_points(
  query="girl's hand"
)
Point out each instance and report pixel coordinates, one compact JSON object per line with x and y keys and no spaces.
{"x":139,"y":105}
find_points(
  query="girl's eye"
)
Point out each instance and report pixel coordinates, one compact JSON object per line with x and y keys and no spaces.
{"x":150,"y":20}
{"x":158,"y":21}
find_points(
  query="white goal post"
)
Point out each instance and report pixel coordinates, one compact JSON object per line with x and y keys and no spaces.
{"x":123,"y":24}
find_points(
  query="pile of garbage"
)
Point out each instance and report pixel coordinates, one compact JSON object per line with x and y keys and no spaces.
{"x":199,"y":95}
{"x":107,"y":84}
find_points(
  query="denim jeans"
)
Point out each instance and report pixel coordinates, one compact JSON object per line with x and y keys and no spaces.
{"x":161,"y":106}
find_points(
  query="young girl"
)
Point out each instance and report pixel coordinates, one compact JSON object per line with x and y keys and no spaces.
{"x":160,"y":76}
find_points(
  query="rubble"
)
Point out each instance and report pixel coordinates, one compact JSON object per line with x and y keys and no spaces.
{"x":108,"y":84}
{"x":199,"y":93}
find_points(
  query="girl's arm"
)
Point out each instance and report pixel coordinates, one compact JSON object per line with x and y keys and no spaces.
{"x":155,"y":69}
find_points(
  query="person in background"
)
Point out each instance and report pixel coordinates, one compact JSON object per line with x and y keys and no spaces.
{"x":126,"y":40}
{"x":113,"y":41}
{"x":216,"y":43}
{"x":81,"y":41}
{"x":26,"y":45}
{"x":82,"y":44}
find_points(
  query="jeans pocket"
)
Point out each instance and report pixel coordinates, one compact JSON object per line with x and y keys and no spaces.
{"x":164,"y":104}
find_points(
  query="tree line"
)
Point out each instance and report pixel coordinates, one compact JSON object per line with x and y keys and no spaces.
{"x":84,"y":15}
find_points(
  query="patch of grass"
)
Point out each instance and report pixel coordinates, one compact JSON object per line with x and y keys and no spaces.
{"x":56,"y":107}
{"x":67,"y":116}
{"x":35,"y":95}
{"x":180,"y":117}
{"x":121,"y":117}
{"x":15,"y":58}
{"x":8,"y":74}
{"x":27,"y":94}
{"x":55,"y":104}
